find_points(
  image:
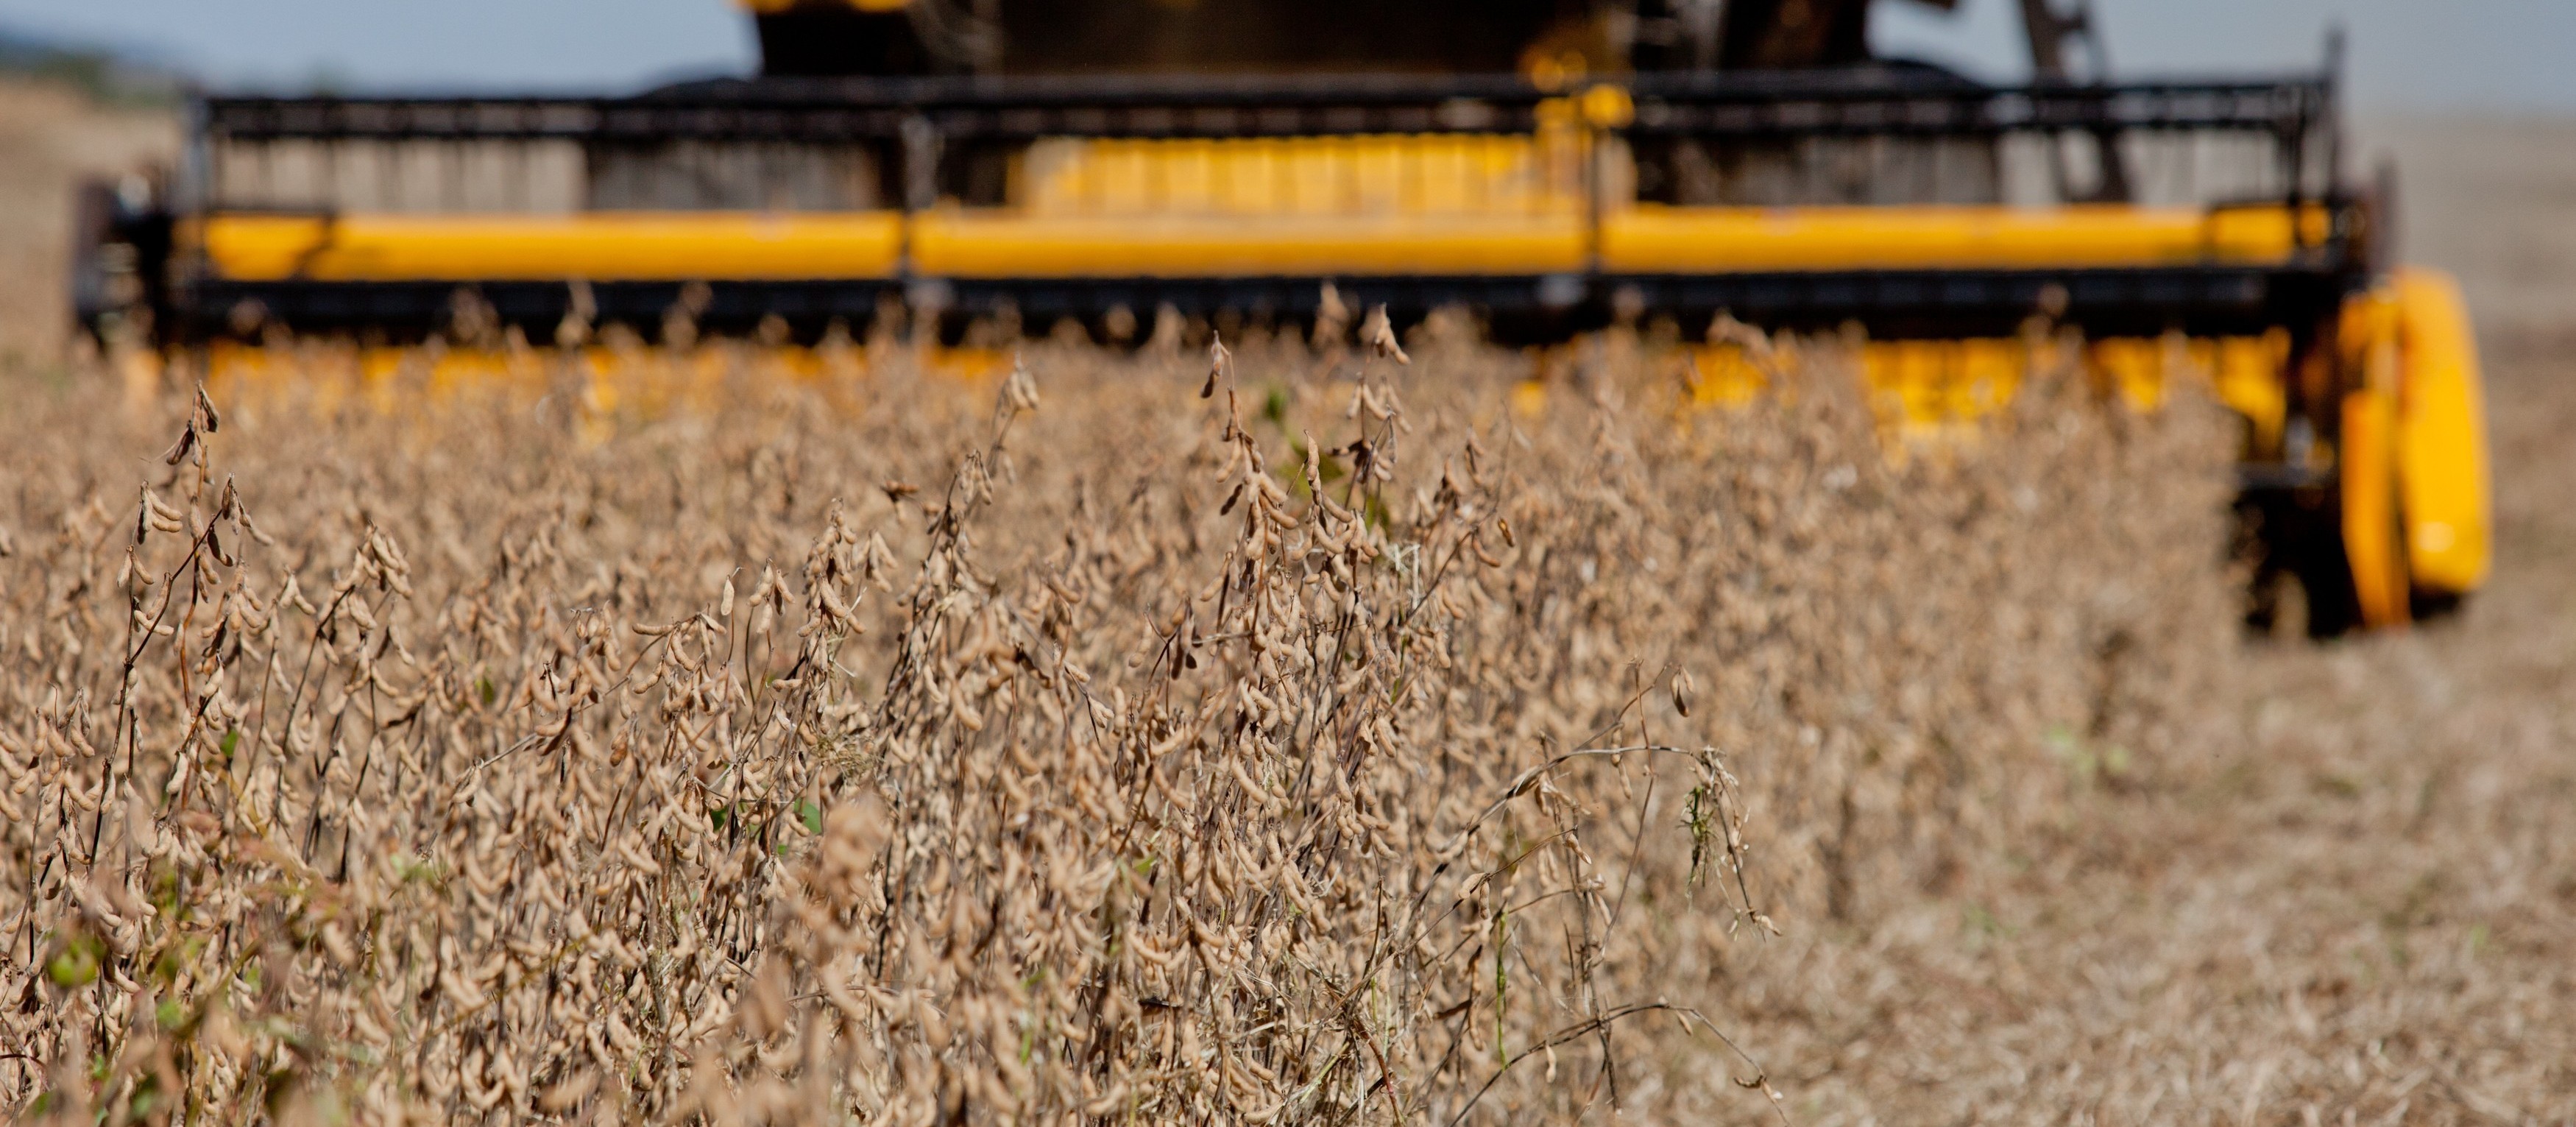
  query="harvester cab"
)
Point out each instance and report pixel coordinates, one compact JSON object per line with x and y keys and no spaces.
{"x":1553,"y":167}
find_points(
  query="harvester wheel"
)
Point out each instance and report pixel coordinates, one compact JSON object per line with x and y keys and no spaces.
{"x":2374,"y":533}
{"x":2441,"y":443}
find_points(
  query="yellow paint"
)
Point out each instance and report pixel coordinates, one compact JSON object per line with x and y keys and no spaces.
{"x":968,"y":244}
{"x":1436,"y":238}
{"x":2441,"y":435}
{"x":1463,"y":174}
{"x":2250,"y":376}
{"x":1931,"y":388}
{"x":630,"y":379}
{"x":968,"y":363}
{"x":2133,"y":368}
{"x":1657,"y":240}
{"x":596,"y":246}
{"x":1726,"y":374}
{"x":1608,"y":107}
{"x":1700,"y":240}
{"x":1928,"y":388}
{"x":2367,"y":475}
{"x":2367,"y":458}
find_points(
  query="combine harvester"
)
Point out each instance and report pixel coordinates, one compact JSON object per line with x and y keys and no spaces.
{"x":1553,"y":166}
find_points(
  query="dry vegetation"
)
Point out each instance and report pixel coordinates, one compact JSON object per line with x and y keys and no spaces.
{"x":2022,"y":873}
{"x":1314,"y":750}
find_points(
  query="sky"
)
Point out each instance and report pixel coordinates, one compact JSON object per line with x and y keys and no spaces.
{"x":2423,"y":56}
{"x":2404,"y":55}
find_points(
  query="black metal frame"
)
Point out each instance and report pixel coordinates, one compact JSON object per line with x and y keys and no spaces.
{"x":923,"y":125}
{"x":1910,"y":304}
{"x":1708,"y":105}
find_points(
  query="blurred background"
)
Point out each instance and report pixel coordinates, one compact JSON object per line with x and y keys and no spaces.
{"x":2406,"y":56}
{"x":2466,"y":97}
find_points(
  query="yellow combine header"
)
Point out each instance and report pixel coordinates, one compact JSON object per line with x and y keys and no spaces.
{"x":1097,"y":162}
{"x":644,"y":246}
{"x":1917,"y":208}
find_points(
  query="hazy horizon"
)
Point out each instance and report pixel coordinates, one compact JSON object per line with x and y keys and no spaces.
{"x":2404,"y":56}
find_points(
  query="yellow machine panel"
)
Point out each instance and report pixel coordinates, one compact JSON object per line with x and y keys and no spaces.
{"x":597,"y":246}
{"x":1043,"y":242}
{"x":1450,"y":174}
{"x":1673,"y":239}
{"x":963,"y":244}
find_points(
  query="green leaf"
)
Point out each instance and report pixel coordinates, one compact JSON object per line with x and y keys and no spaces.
{"x":231,"y":740}
{"x":76,"y":965}
{"x":811,"y":814}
